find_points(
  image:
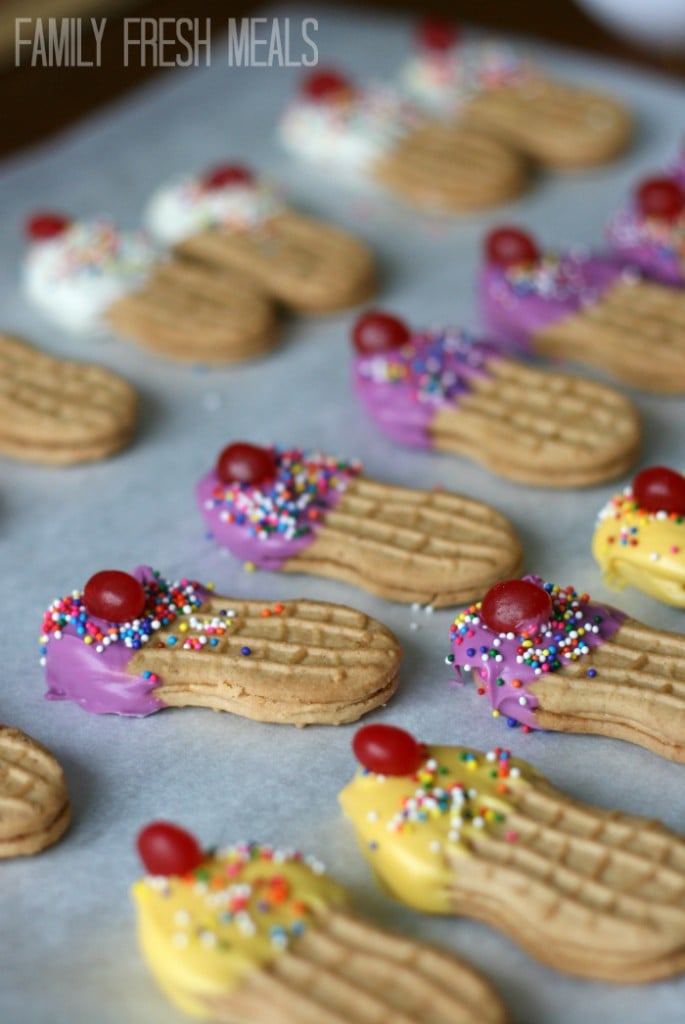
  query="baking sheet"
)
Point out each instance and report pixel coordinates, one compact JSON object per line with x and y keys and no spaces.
{"x":69,"y":951}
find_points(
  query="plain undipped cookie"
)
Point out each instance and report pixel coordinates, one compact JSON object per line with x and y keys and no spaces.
{"x":56,"y":411}
{"x":34,"y":804}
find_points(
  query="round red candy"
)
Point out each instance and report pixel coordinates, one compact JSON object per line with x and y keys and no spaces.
{"x":246,"y":464}
{"x":167,"y":849}
{"x":508,"y":247}
{"x":42,"y":226}
{"x":437,"y":36}
{"x":660,"y":489}
{"x":379,"y":332}
{"x":114,"y":595}
{"x":228,"y":174}
{"x":325,"y":85}
{"x":516,"y":606}
{"x":387,"y":750}
{"x":661,"y":197}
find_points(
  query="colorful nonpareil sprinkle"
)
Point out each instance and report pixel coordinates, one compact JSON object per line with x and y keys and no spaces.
{"x":224,"y":900}
{"x":435,"y":366}
{"x":563,"y":638}
{"x":164,"y":603}
{"x":291,"y":504}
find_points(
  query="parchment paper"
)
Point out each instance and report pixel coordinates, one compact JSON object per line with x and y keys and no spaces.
{"x":69,"y":954}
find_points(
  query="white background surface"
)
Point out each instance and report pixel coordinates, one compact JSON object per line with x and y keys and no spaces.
{"x":68,"y":950}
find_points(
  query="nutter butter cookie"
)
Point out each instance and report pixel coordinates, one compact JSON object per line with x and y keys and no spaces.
{"x":373,"y":133}
{"x":639,"y":539}
{"x":231,"y":219}
{"x":34,"y":803}
{"x":251,"y":933}
{"x":133,"y":644}
{"x":58,"y":412}
{"x":292,"y":510}
{"x":585,"y":307}
{"x":448,"y":390}
{"x":494,"y":87}
{"x":90,"y":277}
{"x":450,"y":830}
{"x":549,"y":657}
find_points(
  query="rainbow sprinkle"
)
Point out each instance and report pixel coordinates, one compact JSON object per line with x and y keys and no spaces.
{"x":563,"y":638}
{"x":437,"y":366}
{"x":292,"y":503}
{"x":165,"y":601}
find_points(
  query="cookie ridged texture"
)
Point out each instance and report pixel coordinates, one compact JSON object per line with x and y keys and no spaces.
{"x":34,"y":804}
{"x":451,"y":168}
{"x":307,"y":264}
{"x":557,"y":124}
{"x":346,"y":971}
{"x":635,"y":332}
{"x":313,"y":662}
{"x":59,"y":412}
{"x":637,"y":694}
{"x":197,"y":313}
{"x":411,"y":545}
{"x":593,"y":892}
{"x":541,"y":428}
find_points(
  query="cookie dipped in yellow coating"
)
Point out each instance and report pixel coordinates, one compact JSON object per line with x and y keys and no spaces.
{"x":204,"y":931}
{"x":643,"y":545}
{"x":412,"y":828}
{"x":586,"y":890}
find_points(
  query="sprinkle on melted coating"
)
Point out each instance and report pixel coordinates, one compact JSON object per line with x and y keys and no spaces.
{"x":292,"y":503}
{"x":248,"y":896}
{"x":631,"y":229}
{"x":630,"y":518}
{"x":436,"y":796}
{"x":92,"y":248}
{"x":418,"y":830}
{"x":449,"y":80}
{"x":552,"y":276}
{"x":561,"y":639}
{"x":164,"y":603}
{"x":436,"y":366}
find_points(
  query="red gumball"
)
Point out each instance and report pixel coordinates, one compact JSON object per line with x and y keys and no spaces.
{"x":437,"y":36}
{"x":387,"y":750}
{"x":508,"y":247}
{"x":246,"y":464}
{"x":379,"y":332}
{"x":516,"y":606}
{"x":114,"y":595}
{"x":228,"y":174}
{"x":167,"y":849}
{"x":661,"y":197}
{"x":325,"y":84}
{"x":660,"y":489}
{"x":42,"y":226}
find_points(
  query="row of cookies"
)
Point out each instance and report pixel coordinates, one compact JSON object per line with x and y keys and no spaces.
{"x":460,"y":129}
{"x":255,"y":1009}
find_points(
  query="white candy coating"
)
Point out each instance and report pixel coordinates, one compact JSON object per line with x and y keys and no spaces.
{"x":184,"y":208}
{"x":351,"y":133}
{"x":77,"y":275}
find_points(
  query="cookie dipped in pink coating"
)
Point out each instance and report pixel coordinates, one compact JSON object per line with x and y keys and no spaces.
{"x":520,"y":631}
{"x":552,"y":658}
{"x":134,"y":644}
{"x":583,"y":307}
{"x":291,"y":510}
{"x":448,"y":391}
